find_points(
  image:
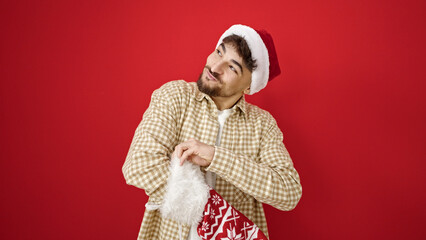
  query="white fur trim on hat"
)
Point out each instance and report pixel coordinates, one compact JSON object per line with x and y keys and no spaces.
{"x":259,"y":53}
{"x":186,"y":194}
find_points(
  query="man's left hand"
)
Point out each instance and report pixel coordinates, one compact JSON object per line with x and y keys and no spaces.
{"x":195,"y":151}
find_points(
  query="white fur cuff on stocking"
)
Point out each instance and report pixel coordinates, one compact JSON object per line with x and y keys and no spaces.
{"x":186,"y":194}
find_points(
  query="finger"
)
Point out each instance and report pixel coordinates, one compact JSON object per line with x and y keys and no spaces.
{"x":181,"y":161}
{"x":186,"y":154}
{"x":179,"y":150}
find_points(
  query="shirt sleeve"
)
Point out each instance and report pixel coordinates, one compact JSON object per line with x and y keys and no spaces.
{"x":147,"y":162}
{"x":272,"y":180}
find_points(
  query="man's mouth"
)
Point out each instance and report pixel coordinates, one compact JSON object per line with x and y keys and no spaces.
{"x":210,"y":76}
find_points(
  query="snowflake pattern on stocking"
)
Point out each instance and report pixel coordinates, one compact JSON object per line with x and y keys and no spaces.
{"x":216,"y":199}
{"x":205,"y":226}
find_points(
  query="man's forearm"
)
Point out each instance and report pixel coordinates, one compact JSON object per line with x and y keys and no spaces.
{"x":278,"y":186}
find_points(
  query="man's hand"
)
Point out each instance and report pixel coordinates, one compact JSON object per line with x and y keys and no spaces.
{"x":195,"y":151}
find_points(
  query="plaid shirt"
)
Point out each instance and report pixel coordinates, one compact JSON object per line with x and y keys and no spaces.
{"x":252,"y":164}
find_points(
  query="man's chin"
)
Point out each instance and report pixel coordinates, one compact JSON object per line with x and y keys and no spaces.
{"x":204,"y":86}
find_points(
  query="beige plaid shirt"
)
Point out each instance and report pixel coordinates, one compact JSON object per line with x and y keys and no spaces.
{"x":252,"y":164}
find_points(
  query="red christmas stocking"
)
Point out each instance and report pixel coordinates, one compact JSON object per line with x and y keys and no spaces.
{"x":221,"y":221}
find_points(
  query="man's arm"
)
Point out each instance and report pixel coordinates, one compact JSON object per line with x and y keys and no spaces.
{"x":147,"y":162}
{"x":273,"y":180}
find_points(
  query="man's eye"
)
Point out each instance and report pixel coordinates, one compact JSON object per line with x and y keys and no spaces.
{"x":218,"y":52}
{"x":233,"y":69}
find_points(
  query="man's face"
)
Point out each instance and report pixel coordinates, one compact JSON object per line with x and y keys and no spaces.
{"x":224,"y":74}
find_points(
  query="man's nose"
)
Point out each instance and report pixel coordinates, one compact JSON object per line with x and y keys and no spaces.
{"x":217,"y":67}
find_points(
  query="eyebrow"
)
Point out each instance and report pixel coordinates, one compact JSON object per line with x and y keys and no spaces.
{"x":238,"y":64}
{"x":234,"y":61}
{"x":223,"y":47}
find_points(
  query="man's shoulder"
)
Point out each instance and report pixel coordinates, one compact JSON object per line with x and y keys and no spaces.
{"x":177,"y":88}
{"x":258,"y":114}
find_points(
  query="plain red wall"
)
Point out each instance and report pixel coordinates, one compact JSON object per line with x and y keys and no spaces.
{"x":76,"y":77}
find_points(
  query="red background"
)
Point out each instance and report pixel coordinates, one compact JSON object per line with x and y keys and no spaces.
{"x":76,"y":77}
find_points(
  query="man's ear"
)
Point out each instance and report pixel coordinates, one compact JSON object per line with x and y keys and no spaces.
{"x":247,"y":91}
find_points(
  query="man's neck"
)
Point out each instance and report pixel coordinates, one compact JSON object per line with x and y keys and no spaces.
{"x":223,"y":103}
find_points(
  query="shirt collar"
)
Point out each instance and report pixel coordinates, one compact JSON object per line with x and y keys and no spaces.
{"x":241,"y":104}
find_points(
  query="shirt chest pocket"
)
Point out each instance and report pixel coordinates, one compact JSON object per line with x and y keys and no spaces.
{"x":242,"y":142}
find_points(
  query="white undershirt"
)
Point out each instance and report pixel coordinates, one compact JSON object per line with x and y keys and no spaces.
{"x":210,"y":176}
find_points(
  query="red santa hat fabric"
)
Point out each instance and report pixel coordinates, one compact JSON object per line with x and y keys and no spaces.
{"x":263,"y":52}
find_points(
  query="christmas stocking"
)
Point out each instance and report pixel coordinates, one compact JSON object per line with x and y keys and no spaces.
{"x":189,"y":200}
{"x":224,"y":222}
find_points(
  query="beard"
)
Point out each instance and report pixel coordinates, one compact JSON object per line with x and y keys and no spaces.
{"x":211,"y":91}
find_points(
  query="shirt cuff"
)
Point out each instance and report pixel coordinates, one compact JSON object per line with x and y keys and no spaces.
{"x":222,"y":161}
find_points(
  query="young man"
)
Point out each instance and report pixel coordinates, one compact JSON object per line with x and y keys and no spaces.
{"x":208,"y":123}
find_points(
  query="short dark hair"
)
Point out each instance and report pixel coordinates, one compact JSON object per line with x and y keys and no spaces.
{"x":243,"y":50}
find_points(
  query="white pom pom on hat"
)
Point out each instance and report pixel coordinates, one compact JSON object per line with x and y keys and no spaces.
{"x":262,"y":51}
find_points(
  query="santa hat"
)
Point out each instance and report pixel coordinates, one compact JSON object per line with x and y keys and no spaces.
{"x":262,"y":51}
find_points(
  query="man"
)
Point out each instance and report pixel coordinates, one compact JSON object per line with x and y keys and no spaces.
{"x":208,"y":123}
